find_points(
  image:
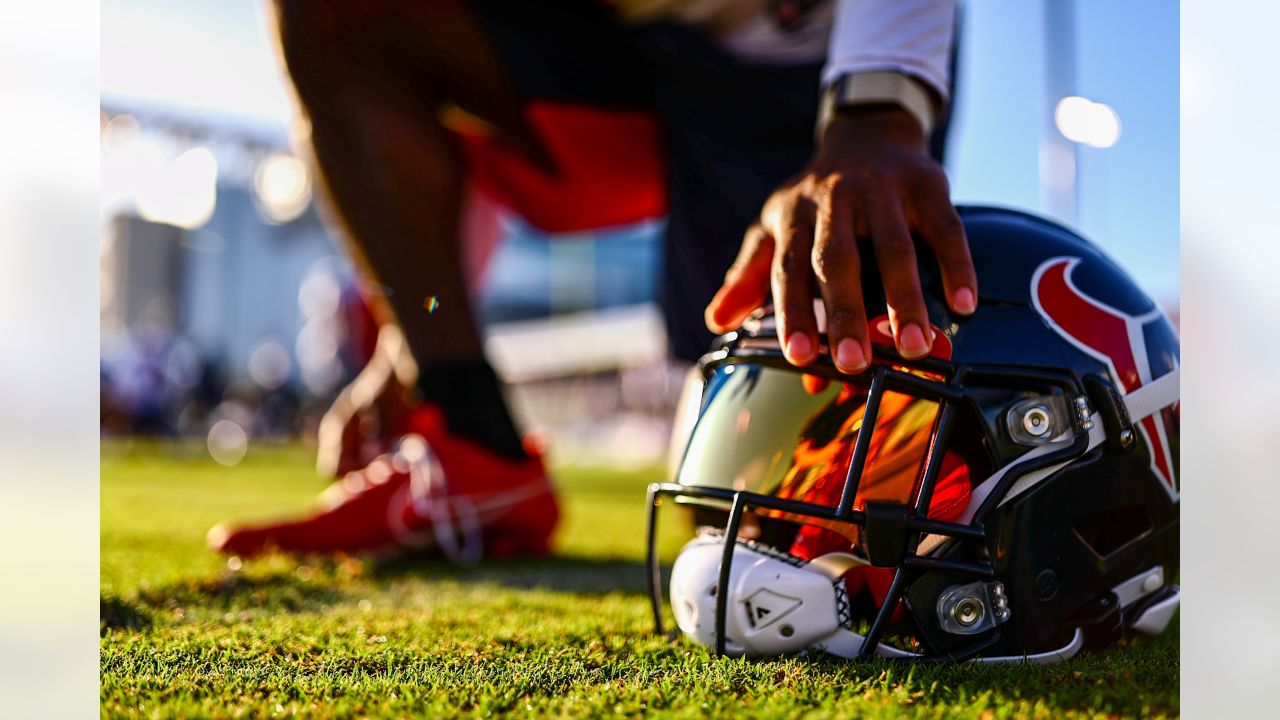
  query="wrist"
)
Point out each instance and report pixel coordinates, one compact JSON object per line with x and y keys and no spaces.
{"x":855,"y":91}
{"x":875,"y":123}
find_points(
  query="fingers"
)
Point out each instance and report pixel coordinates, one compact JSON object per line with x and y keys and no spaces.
{"x":943,"y":230}
{"x":746,"y":284}
{"x":792,"y":280}
{"x":896,"y":256}
{"x":805,"y":241}
{"x":838,"y":270}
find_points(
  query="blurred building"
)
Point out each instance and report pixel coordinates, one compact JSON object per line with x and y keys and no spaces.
{"x":222,"y":294}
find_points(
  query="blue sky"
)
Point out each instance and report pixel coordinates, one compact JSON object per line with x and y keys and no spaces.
{"x":215,"y":56}
{"x":1127,"y":57}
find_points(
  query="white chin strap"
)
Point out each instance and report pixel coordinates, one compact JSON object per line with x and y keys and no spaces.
{"x":780,"y":605}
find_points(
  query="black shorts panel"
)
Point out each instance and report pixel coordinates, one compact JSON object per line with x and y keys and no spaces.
{"x":734,"y":131}
{"x":570,"y":50}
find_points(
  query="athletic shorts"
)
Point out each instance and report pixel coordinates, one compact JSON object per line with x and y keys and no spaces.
{"x":643,"y":122}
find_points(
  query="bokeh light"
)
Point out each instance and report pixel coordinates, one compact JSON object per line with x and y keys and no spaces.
{"x":120,"y":131}
{"x":1087,"y":122}
{"x":317,"y":351}
{"x":227,"y":443}
{"x":183,"y":364}
{"x":283,"y":186}
{"x":269,"y":364}
{"x":182,"y":192}
{"x":129,"y":159}
{"x":320,"y":294}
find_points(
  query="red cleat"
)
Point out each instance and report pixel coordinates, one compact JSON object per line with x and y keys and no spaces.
{"x":436,"y":493}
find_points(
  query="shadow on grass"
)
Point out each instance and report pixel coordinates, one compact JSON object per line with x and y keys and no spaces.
{"x":316,"y":585}
{"x":117,"y":614}
{"x":277,"y":591}
{"x":578,"y":575}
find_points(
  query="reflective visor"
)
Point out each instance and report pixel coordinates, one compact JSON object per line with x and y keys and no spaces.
{"x":790,"y":435}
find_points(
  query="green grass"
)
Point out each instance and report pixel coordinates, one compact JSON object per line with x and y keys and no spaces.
{"x":185,"y":636}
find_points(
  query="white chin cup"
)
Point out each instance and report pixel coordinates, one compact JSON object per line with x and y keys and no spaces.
{"x":776,"y":607}
{"x":773,"y":607}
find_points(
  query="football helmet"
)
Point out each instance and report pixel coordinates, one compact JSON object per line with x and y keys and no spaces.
{"x":1012,"y":496}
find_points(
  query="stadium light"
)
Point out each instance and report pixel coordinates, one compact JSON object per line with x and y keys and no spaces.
{"x":283,"y":184}
{"x":1087,"y":122}
{"x":182,"y":192}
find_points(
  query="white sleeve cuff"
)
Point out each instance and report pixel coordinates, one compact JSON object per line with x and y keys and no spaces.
{"x":907,"y":36}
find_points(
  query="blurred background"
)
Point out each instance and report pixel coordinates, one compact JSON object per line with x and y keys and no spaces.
{"x":230,"y":315}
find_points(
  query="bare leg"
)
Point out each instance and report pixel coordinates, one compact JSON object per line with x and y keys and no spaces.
{"x":373,"y":80}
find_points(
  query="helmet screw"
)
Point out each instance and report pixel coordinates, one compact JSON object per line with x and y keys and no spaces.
{"x":1126,"y":438}
{"x":968,"y":611}
{"x":1036,"y":421}
{"x":973,"y":608}
{"x":1046,"y":583}
{"x":787,"y":631}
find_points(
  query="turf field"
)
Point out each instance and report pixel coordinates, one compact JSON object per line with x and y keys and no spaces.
{"x":186,"y":635}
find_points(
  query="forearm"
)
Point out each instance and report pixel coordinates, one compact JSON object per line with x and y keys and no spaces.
{"x":912,"y":37}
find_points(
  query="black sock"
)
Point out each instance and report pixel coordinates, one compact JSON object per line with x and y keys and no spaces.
{"x":470,"y":396}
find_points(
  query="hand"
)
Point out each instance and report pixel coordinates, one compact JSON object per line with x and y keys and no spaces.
{"x":871,"y":175}
{"x":368,"y":414}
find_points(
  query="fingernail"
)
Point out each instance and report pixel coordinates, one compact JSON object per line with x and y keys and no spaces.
{"x":799,"y":348}
{"x":963,"y":301}
{"x":911,"y":342}
{"x":849,"y":357}
{"x":712,"y":322}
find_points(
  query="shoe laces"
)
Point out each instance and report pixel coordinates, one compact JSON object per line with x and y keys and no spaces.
{"x":455,"y":526}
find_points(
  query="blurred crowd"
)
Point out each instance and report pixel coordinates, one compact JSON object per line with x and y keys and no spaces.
{"x":157,"y":381}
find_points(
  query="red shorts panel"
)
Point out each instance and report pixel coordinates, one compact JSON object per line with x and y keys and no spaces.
{"x":610,"y":168}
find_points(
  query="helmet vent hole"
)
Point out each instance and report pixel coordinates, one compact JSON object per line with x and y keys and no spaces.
{"x":786,"y":631}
